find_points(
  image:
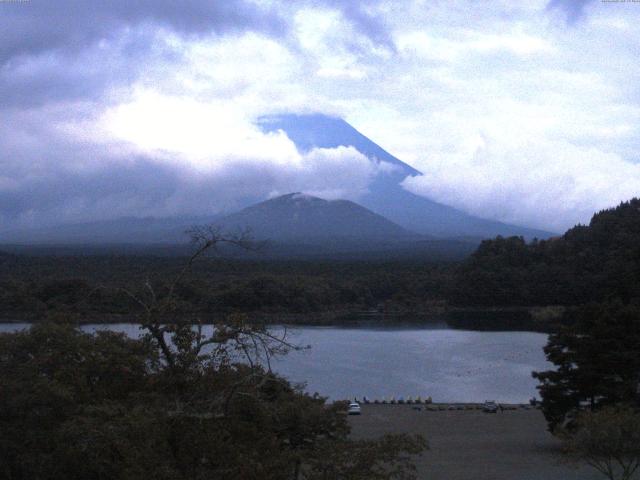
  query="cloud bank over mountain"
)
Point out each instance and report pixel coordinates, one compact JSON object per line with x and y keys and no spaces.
{"x":523,"y":113}
{"x":90,"y":170}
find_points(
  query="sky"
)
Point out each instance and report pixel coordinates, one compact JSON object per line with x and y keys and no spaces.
{"x":524,"y":112}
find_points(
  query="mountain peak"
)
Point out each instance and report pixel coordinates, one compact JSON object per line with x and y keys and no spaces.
{"x":386,"y":196}
{"x":301,"y":217}
{"x":299,"y":197}
{"x":323,"y":131}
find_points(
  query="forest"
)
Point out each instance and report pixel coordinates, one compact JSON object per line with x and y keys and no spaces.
{"x":594,"y":262}
{"x":504,"y":276}
{"x":93,"y":287}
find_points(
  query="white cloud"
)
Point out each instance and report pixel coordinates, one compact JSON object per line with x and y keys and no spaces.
{"x":511,"y":113}
{"x":215,"y":138}
{"x":426,"y":45}
{"x":197,"y":133}
{"x":548,"y":185}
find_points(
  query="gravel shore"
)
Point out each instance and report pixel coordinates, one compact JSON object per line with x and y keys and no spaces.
{"x":473,"y":445}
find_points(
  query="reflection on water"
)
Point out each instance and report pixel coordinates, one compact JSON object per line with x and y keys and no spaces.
{"x":448,"y":365}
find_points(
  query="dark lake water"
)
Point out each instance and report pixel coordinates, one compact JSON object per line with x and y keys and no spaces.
{"x":447,"y":365}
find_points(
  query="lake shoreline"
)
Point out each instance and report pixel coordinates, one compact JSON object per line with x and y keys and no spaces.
{"x":529,"y":319}
{"x":441,"y":364}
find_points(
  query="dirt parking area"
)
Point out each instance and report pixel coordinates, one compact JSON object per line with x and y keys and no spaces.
{"x":473,"y":445}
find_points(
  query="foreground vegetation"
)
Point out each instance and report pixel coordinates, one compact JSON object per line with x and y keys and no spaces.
{"x":597,"y":363}
{"x":80,"y":406}
{"x":175,"y":404}
{"x":591,"y":399}
{"x":607,"y":439}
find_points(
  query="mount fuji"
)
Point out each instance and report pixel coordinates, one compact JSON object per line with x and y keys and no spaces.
{"x":386,"y":216}
{"x":385,"y":195}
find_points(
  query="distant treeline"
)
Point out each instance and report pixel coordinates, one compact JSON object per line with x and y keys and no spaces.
{"x":91,"y":286}
{"x":597,"y":262}
{"x":505,"y":276}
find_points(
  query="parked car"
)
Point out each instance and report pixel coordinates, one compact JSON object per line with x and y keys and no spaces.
{"x":354,"y":409}
{"x":490,"y":407}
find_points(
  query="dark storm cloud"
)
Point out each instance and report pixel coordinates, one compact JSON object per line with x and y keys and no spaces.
{"x":28,"y":28}
{"x":573,"y":9}
{"x":63,"y":75}
{"x":54,"y":194}
{"x":42,"y":188}
{"x":74,"y":49}
{"x":48,"y":177}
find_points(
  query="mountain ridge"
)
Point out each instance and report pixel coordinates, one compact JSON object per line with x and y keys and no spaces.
{"x":386,"y":196}
{"x":302,"y":217}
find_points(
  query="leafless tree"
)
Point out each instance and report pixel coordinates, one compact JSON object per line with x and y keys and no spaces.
{"x":183,"y":343}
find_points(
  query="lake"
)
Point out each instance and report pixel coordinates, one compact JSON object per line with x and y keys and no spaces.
{"x":445,"y":364}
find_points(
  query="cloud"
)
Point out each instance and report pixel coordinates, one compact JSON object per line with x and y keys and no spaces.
{"x":547,"y":185}
{"x":66,"y":50}
{"x":117,"y":164}
{"x":30,"y":28}
{"x":64,"y":76}
{"x":573,"y":9}
{"x":368,"y":18}
{"x":148,"y":108}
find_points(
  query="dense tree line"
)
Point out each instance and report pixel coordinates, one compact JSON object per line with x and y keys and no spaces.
{"x":597,"y":262}
{"x":596,"y":355}
{"x":92,"y":285}
{"x":593,"y":273}
{"x":591,"y":398}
